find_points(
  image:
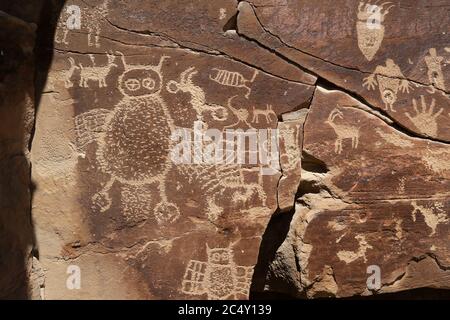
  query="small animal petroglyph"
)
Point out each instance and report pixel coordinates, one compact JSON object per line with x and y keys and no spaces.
{"x":390,"y":80}
{"x":233,"y":79}
{"x":425,"y":120}
{"x":219,"y":277}
{"x":350,"y":256}
{"x":133,"y":139}
{"x":369,"y":28}
{"x":267,"y":114}
{"x":198,"y":97}
{"x":91,"y":19}
{"x":435,"y":74}
{"x":342,"y":131}
{"x":96,"y":73}
{"x":431,"y":218}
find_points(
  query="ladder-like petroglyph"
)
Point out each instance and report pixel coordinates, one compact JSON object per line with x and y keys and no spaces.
{"x":343,"y":131}
{"x":124,"y":150}
{"x":96,"y":73}
{"x":425,"y":119}
{"x":220,"y":278}
{"x":232,"y":79}
{"x":369,"y":27}
{"x":390,"y":80}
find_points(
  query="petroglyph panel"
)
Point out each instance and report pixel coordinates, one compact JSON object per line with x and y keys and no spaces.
{"x":384,"y":203}
{"x":127,"y":105}
{"x":364,"y":47}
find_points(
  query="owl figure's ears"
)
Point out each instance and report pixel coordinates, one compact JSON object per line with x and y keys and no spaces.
{"x":161,"y":61}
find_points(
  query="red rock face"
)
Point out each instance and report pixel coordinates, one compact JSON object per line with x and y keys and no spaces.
{"x":337,"y":117}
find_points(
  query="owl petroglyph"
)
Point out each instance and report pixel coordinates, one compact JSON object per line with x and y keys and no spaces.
{"x":219,"y":277}
{"x":126,"y":146}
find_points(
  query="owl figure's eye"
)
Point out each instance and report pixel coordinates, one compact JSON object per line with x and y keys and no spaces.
{"x":225,"y":256}
{"x":133,"y":84}
{"x":148,"y":83}
{"x":216,"y":256}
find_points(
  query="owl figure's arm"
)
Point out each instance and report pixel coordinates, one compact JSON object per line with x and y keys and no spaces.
{"x":194,"y":278}
{"x":243,"y":280}
{"x":89,"y":125}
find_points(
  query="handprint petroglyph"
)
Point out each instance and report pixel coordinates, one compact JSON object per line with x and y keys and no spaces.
{"x":425,"y":119}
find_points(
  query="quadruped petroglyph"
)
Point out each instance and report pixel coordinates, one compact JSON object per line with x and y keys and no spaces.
{"x":343,"y":131}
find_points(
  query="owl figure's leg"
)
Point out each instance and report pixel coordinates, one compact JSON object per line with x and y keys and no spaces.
{"x":102,"y":199}
{"x":194,"y":278}
{"x":165,"y":211}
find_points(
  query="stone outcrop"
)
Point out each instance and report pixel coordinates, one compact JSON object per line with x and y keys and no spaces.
{"x":337,"y":113}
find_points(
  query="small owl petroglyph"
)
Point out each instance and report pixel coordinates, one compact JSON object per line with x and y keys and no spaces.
{"x":219,"y":277}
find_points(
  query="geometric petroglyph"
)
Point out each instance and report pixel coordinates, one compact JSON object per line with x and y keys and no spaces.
{"x":342,"y":131}
{"x":435,"y":74}
{"x":232,"y":79}
{"x":219,"y":277}
{"x":431,"y":218}
{"x":425,"y":120}
{"x":369,"y":29}
{"x":94,"y":73}
{"x":390,"y":80}
{"x":350,"y":256}
{"x":133,"y":139}
{"x":198,"y":97}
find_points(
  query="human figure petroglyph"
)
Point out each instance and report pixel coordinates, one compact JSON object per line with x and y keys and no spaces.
{"x":95,"y":73}
{"x":219,"y":277}
{"x":425,"y":119}
{"x":198,"y":97}
{"x":268,"y":113}
{"x":133,"y":139}
{"x":292,"y":154}
{"x":369,"y":28}
{"x":390,"y":80}
{"x":435,"y":74}
{"x":343,"y":131}
{"x":232,"y":79}
{"x":433,"y":215}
